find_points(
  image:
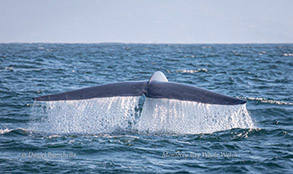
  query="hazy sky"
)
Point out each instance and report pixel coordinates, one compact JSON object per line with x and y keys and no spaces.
{"x":147,"y":21}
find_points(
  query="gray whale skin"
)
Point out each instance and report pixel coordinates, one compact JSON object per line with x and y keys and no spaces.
{"x":157,"y":87}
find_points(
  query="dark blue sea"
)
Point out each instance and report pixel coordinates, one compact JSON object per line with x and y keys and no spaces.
{"x":84,"y":137}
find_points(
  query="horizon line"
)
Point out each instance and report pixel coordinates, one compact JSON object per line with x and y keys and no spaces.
{"x":148,"y":43}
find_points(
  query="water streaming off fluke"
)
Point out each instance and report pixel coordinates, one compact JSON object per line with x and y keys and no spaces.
{"x":92,"y":116}
{"x":184,"y":117}
{"x":106,"y":115}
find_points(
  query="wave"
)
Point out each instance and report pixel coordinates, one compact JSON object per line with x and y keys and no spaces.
{"x":189,"y":71}
{"x":263,"y":100}
{"x":288,"y":54}
{"x":20,"y":131}
{"x":5,"y":131}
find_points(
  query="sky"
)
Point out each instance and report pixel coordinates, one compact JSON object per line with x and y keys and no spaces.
{"x":146,"y":21}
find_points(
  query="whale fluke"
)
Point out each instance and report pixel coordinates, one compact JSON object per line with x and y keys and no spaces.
{"x":178,"y":91}
{"x":107,"y":90}
{"x":157,"y":87}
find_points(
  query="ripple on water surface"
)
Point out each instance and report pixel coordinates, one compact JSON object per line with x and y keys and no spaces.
{"x":259,"y":73}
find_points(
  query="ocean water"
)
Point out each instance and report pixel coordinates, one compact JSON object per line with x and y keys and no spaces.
{"x":139,"y":135}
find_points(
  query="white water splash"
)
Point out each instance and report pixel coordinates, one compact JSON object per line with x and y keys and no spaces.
{"x":93,"y":116}
{"x":184,"y":117}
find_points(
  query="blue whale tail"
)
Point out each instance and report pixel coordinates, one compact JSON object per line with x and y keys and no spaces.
{"x":157,"y":87}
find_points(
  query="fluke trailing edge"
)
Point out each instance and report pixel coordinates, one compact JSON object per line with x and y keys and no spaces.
{"x":157,"y":87}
